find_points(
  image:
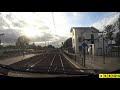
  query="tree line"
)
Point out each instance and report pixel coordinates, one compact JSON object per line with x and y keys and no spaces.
{"x":113,"y":32}
{"x":22,"y":42}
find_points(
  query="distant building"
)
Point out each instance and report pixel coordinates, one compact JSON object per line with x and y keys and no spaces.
{"x":79,"y":34}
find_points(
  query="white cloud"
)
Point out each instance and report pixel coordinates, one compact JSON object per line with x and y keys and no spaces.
{"x":39,"y":24}
{"x":106,"y":21}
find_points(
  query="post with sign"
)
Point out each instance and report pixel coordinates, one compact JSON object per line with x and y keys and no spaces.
{"x":93,"y":52}
{"x":84,"y":45}
{"x":84,"y":56}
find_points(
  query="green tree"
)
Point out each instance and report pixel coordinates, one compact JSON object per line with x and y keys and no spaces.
{"x":38,"y":47}
{"x":117,"y":38}
{"x":50,"y":46}
{"x":118,"y":23}
{"x":1,"y":46}
{"x":33,"y":46}
{"x":109,"y":29}
{"x":67,"y":43}
{"x":11,"y":46}
{"x":22,"y":42}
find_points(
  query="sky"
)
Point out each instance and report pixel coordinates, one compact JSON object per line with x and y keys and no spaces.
{"x":49,"y":27}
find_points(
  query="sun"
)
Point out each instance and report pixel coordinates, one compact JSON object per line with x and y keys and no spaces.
{"x":30,"y":32}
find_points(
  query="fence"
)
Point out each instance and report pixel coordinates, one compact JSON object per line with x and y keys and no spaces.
{"x":8,"y":54}
{"x":113,"y":53}
{"x":76,"y":57}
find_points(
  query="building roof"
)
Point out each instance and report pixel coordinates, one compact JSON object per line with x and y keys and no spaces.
{"x":85,"y":28}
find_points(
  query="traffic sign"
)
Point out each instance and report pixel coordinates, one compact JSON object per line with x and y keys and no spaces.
{"x":84,"y":45}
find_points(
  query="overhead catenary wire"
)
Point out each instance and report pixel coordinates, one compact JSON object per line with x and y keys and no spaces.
{"x":54,"y":23}
{"x":6,"y":18}
{"x":54,"y":26}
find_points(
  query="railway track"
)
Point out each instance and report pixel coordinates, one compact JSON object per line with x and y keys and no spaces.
{"x":48,"y":63}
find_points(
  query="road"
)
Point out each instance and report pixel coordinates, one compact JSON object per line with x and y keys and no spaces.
{"x":53,"y":62}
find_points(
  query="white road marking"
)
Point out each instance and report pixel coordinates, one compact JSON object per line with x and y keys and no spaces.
{"x":81,"y":70}
{"x":61,"y":62}
{"x":52,"y":62}
{"x":36,"y":63}
{"x":30,"y":61}
{"x":32,"y":66}
{"x":27,"y":69}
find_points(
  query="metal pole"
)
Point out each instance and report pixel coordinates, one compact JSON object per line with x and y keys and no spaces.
{"x":103,"y":52}
{"x":93,"y":52}
{"x":84,"y":56}
{"x":45,"y":44}
{"x":0,"y":39}
{"x":118,"y":49}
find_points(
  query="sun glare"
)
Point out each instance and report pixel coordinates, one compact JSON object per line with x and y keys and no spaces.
{"x":30,"y":32}
{"x":74,"y":13}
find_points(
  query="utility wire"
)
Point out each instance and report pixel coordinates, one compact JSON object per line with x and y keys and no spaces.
{"x":8,"y":19}
{"x":54,"y":23}
{"x":54,"y":26}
